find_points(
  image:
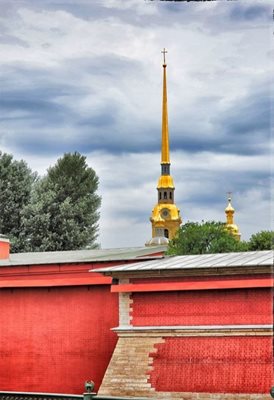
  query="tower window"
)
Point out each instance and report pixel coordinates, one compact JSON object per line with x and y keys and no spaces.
{"x":170,"y":195}
{"x":159,"y":232}
{"x":160,"y":195}
{"x":166,"y":233}
{"x":165,"y":195}
{"x":165,"y":169}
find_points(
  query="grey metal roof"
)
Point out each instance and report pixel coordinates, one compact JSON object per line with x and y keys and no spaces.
{"x":80,"y":256}
{"x":57,"y":396}
{"x":250,"y":258}
{"x":37,"y":396}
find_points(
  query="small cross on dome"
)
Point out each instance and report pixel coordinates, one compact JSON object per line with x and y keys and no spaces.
{"x":164,"y":51}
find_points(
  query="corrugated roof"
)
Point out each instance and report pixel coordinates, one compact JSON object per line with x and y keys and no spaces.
{"x":80,"y":256}
{"x":251,"y":258}
{"x":57,"y":396}
{"x":38,"y":396}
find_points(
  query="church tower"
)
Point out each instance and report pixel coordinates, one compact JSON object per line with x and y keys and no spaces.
{"x":230,"y":226}
{"x":165,"y":218}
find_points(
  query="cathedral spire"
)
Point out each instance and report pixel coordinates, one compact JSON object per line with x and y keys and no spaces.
{"x":230,"y":226}
{"x":165,"y":217}
{"x":165,"y":139}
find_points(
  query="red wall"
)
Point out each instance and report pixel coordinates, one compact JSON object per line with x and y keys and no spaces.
{"x":53,"y":339}
{"x":215,"y":365}
{"x":207,"y":307}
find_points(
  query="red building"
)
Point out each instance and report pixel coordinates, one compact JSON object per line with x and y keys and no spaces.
{"x":56,"y":317}
{"x":193,"y":327}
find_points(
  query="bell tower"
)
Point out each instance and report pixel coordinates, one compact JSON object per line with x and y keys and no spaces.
{"x":165,"y":217}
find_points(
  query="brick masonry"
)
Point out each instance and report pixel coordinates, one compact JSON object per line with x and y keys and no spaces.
{"x":211,"y":307}
{"x":207,"y":364}
{"x":134,"y":370}
{"x":53,"y":339}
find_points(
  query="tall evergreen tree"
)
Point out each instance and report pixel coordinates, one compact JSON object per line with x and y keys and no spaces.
{"x":16,"y":180}
{"x":63,"y":209}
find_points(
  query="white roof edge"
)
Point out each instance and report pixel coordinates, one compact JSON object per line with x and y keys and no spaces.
{"x":190,"y":327}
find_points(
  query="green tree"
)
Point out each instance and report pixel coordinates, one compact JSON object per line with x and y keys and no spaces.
{"x":205,"y":237}
{"x":263,"y":240}
{"x":63,"y":209}
{"x":16,"y":180}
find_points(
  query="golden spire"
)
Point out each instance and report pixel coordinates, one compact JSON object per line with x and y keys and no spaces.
{"x":165,"y":140}
{"x":165,"y":217}
{"x":231,"y":227}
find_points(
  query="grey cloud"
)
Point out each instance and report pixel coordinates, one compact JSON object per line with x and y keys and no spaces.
{"x":37,"y":106}
{"x":47,"y":104}
{"x":100,"y":120}
{"x":242,"y":128}
{"x":37,"y":143}
{"x":9,"y":39}
{"x":252,"y":115}
{"x":108,"y":66}
{"x":43,"y":104}
{"x":247,"y":123}
{"x":247,"y":12}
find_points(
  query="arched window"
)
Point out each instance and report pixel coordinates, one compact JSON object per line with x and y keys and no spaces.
{"x":165,"y":195}
{"x":160,"y":195}
{"x":166,"y":233}
{"x":170,"y":195}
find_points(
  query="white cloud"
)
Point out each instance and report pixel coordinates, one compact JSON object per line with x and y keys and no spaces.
{"x":145,"y":8}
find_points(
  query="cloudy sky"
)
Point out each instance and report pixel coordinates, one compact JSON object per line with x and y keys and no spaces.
{"x":87,"y":76}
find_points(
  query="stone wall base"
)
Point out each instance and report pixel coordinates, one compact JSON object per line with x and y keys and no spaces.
{"x":127,"y":371}
{"x":208,"y":396}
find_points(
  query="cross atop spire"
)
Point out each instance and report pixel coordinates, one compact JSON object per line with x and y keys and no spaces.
{"x":164,"y":51}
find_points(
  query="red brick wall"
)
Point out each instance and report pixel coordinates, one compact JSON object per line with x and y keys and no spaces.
{"x":213,"y":365}
{"x":52,"y":340}
{"x":211,"y":307}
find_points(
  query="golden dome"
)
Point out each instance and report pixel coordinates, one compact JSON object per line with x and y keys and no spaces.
{"x":233,"y":228}
{"x":229,"y":208}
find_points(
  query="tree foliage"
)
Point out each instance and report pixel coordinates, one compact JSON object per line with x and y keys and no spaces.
{"x":63,"y":210}
{"x":263,"y":240}
{"x":205,"y":237}
{"x":16,"y":180}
